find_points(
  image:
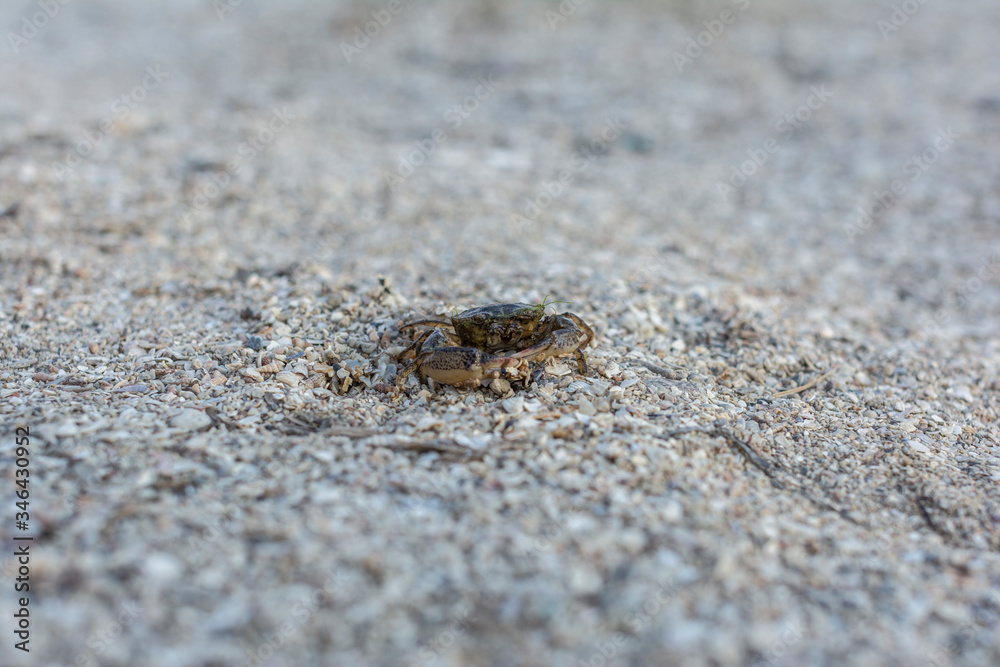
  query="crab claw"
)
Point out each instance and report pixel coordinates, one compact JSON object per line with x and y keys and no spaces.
{"x":572,"y":336}
{"x":464,"y":367}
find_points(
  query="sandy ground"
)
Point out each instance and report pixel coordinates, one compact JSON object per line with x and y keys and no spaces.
{"x":214,"y":218}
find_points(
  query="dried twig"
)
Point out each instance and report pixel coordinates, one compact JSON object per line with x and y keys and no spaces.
{"x":349,"y":431}
{"x":808,"y":385}
{"x":444,"y":447}
{"x":425,"y":446}
{"x":660,"y":370}
{"x":746,"y":450}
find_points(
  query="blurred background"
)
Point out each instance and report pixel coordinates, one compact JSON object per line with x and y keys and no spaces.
{"x":391,"y":157}
{"x":175,"y":176}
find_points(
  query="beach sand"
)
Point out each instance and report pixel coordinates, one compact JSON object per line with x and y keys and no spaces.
{"x":215,"y":216}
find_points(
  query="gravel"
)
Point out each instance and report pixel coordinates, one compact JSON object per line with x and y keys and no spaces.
{"x":785,"y":451}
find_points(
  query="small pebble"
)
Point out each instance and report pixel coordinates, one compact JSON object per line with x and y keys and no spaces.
{"x":190,"y":420}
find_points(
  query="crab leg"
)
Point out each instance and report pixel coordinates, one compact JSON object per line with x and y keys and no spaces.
{"x":405,"y":373}
{"x":465,"y":367}
{"x":431,"y":339}
{"x":427,"y":323}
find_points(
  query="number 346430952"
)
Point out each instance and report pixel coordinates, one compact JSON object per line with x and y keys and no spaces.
{"x":21,"y":473}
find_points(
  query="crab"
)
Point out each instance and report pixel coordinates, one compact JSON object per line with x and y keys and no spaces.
{"x":495,"y":341}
